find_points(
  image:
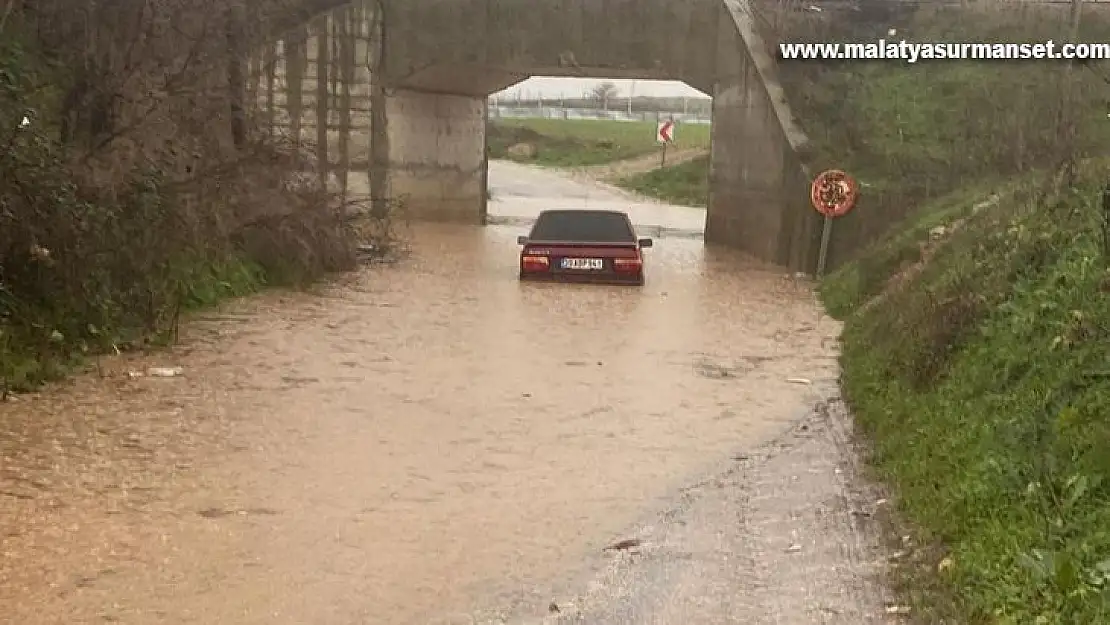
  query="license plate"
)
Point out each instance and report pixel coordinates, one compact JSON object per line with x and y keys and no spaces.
{"x":594,"y":264}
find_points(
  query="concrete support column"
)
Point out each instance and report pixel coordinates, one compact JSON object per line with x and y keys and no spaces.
{"x":437,"y":155}
{"x":758,"y":192}
{"x":746,"y":176}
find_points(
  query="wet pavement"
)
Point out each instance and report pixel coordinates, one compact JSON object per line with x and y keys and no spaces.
{"x":426,"y":442}
{"x":519,"y":192}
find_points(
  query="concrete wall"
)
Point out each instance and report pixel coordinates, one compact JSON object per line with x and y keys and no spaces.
{"x":662,"y":39}
{"x":758,"y":191}
{"x":437,"y":155}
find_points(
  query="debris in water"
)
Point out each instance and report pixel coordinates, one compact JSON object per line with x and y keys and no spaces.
{"x":219,"y":513}
{"x":624,"y":544}
{"x":165,"y":372}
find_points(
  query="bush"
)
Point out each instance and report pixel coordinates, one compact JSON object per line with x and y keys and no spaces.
{"x":129,"y":199}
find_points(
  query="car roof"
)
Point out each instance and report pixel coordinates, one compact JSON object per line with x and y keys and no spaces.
{"x":582,"y":211}
{"x":583,"y":225}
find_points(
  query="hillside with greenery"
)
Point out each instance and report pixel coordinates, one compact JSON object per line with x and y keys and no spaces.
{"x":975,"y":357}
{"x":975,"y":348}
{"x":581,"y":142}
{"x":685,"y":184}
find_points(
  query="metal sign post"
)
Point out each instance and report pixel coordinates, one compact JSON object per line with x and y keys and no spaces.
{"x":833,"y":194}
{"x":664,"y":135}
{"x":823,"y":253}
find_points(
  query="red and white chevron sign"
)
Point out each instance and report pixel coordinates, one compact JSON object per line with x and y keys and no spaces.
{"x":665,"y":132}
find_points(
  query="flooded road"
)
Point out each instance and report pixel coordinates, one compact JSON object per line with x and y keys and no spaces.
{"x":519,"y":192}
{"x":418,"y":443}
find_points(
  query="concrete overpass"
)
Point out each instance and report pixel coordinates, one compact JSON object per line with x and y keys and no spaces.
{"x":418,"y":74}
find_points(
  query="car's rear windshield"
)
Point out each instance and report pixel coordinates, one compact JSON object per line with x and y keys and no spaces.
{"x":582,"y":225}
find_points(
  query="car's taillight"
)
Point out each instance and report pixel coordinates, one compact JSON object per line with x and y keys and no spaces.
{"x":534,"y":263}
{"x":628,"y":265}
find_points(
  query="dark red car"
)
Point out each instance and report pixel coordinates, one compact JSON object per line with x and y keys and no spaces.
{"x":583,"y":246}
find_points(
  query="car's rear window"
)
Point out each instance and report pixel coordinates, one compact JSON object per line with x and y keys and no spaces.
{"x":582,"y":225}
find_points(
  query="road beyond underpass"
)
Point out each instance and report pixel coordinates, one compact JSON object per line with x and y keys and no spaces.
{"x":433,"y":442}
{"x":519,"y":192}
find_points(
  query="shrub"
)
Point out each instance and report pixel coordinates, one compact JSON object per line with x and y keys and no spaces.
{"x":132,"y":195}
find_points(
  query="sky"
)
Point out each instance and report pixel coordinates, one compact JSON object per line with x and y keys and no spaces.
{"x":552,"y":87}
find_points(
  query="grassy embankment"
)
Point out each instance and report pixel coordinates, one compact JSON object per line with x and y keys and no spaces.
{"x":583,"y":142}
{"x":982,"y":378}
{"x":685,"y":184}
{"x":976,"y":349}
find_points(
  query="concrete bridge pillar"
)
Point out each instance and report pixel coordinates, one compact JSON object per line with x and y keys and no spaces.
{"x":436,"y":156}
{"x":758,"y":191}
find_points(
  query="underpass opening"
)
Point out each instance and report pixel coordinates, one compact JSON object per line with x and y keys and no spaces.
{"x":419,"y":76}
{"x":442,"y":60}
{"x":635,"y":145}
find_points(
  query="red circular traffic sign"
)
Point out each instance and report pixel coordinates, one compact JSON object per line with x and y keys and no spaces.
{"x":834,"y":193}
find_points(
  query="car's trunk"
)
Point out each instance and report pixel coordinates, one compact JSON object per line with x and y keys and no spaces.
{"x":587,"y":259}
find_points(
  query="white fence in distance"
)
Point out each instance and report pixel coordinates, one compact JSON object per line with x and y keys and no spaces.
{"x":561,"y":112}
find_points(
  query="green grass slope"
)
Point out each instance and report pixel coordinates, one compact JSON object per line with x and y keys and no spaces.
{"x":982,"y":378}
{"x":686,"y":184}
{"x":581,"y":142}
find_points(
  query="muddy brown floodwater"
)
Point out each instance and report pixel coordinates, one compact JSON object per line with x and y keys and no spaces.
{"x":419,"y":441}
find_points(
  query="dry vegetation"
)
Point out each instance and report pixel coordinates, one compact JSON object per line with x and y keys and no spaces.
{"x":139,"y":187}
